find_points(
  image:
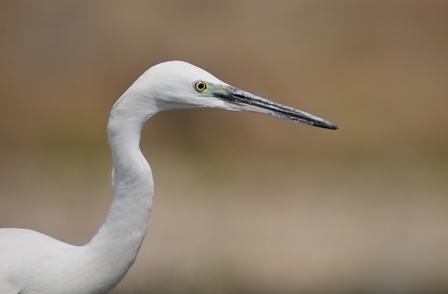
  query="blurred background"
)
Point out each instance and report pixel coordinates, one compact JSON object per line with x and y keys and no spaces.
{"x":244,"y":203}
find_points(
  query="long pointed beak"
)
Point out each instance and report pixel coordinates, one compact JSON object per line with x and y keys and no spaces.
{"x":242,"y":100}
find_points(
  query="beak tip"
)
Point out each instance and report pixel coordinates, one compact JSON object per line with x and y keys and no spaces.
{"x":325,"y":125}
{"x":328,"y":125}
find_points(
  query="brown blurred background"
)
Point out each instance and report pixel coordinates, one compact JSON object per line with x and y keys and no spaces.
{"x":244,"y":203}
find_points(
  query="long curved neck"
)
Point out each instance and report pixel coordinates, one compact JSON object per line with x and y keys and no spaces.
{"x":132,"y":178}
{"x":119,"y":239}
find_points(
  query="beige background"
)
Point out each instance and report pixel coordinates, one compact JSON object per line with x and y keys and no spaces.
{"x":244,"y":203}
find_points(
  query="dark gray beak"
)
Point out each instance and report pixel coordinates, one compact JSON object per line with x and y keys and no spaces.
{"x":242,"y":100}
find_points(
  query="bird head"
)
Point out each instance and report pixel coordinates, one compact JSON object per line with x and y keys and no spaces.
{"x":178,"y":84}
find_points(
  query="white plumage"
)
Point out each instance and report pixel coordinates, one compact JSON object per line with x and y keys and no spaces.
{"x":31,"y":262}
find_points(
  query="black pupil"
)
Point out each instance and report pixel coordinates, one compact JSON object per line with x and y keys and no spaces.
{"x":201,"y":86}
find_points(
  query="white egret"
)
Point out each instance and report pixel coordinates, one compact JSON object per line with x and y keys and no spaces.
{"x":31,"y":262}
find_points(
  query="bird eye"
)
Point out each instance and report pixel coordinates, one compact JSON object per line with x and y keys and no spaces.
{"x":200,"y":86}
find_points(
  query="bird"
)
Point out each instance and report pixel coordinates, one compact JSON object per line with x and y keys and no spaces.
{"x":31,"y":262}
